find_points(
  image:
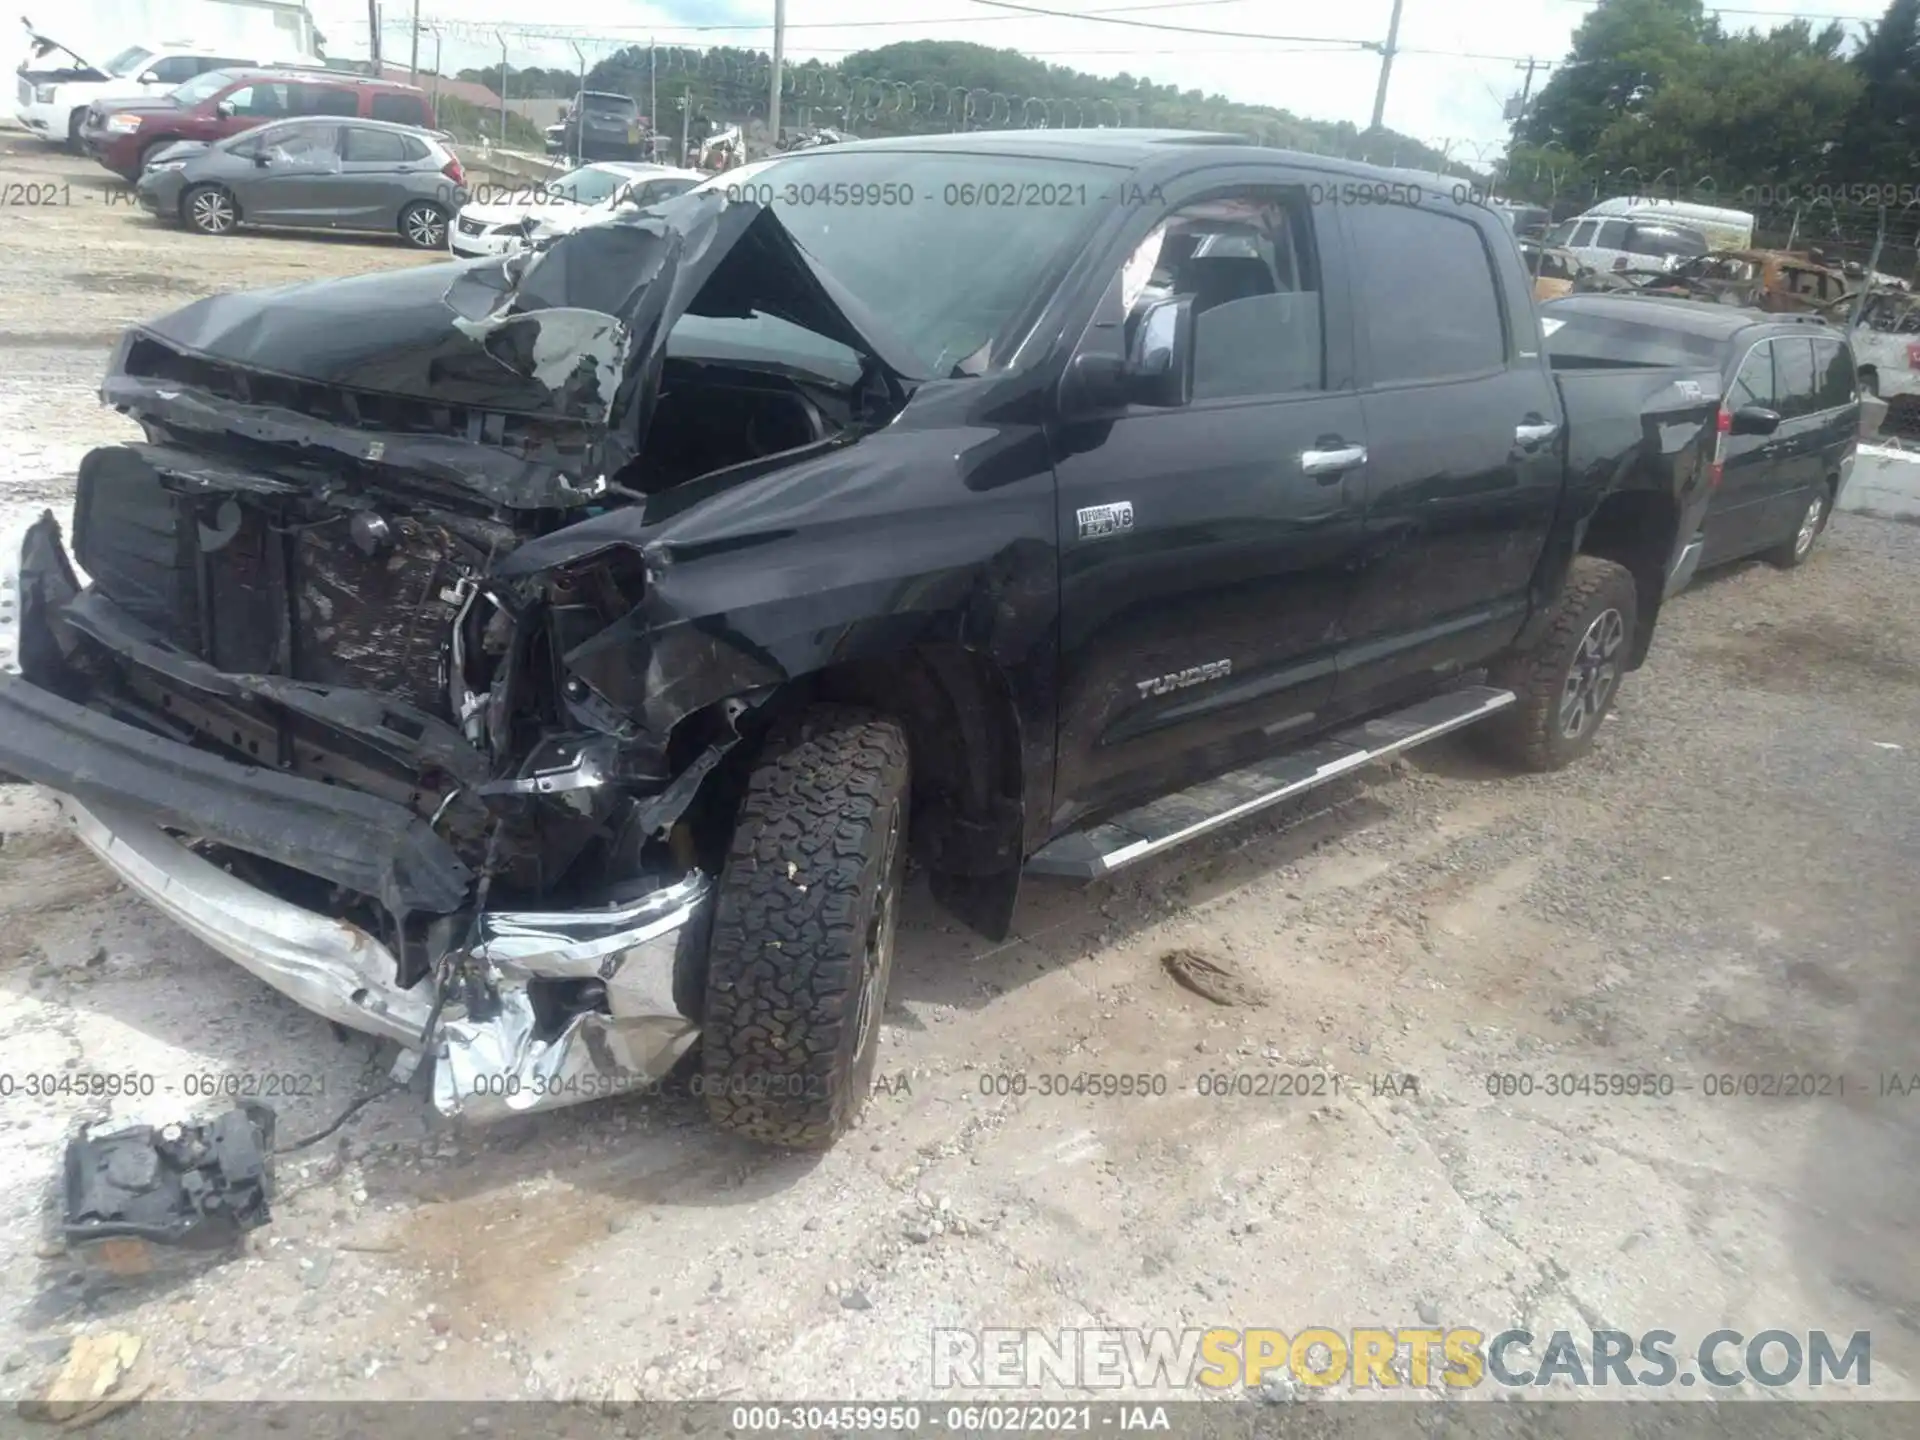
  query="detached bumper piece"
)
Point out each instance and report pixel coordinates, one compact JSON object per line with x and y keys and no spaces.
{"x":145,"y":1200}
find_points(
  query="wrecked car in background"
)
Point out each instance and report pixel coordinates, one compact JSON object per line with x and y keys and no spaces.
{"x":548,"y":661}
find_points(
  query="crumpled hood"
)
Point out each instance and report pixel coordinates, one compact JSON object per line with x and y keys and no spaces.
{"x":574,"y":330}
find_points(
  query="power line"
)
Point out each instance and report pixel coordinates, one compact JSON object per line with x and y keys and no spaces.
{"x":1770,"y":14}
{"x":1172,"y":29}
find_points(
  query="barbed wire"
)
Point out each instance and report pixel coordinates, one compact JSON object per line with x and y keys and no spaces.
{"x":739,"y":85}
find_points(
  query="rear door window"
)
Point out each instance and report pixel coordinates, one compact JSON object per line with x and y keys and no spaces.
{"x":1835,"y":377}
{"x":1794,"y":382}
{"x":1583,"y":233}
{"x":400,"y":109}
{"x":1613,"y":235}
{"x":325,"y":100}
{"x":375,"y":147}
{"x":1432,"y":311}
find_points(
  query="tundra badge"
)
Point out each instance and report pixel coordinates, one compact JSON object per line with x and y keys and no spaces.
{"x":1180,"y":680}
{"x":1099,"y":521}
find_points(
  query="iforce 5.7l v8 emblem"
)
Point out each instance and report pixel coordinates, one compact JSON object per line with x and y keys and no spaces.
{"x":1099,"y":521}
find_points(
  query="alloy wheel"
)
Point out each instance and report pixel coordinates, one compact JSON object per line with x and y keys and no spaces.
{"x":212,"y":212}
{"x":425,"y":227}
{"x":1810,"y":526}
{"x":1592,"y":675}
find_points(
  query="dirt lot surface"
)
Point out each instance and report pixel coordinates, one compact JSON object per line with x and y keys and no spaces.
{"x":1726,"y":889}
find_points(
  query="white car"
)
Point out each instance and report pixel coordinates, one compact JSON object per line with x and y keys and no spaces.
{"x":494,"y":222}
{"x":56,"y":84}
{"x":659,"y":182}
{"x":1602,"y":242}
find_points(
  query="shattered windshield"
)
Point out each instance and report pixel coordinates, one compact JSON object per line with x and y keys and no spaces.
{"x":946,"y":249}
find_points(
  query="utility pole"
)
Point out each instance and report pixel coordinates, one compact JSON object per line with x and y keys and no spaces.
{"x":373,"y":35}
{"x":686,"y":114}
{"x":1526,"y":89}
{"x":413,"y":64}
{"x":1386,"y":65}
{"x":503,"y":86}
{"x":653,"y":98}
{"x":779,"y":55}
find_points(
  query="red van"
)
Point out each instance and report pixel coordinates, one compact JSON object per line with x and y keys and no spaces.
{"x":124,"y":135}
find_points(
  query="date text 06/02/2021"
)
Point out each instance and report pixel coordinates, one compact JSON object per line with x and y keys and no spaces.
{"x":1005,"y":1419}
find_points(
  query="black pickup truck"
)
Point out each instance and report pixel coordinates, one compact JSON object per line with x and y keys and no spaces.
{"x":551,"y":662}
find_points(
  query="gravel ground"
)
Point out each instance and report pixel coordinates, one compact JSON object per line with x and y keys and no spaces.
{"x":1726,"y":887}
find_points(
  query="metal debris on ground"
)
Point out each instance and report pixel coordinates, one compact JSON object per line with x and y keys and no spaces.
{"x":149,"y":1198}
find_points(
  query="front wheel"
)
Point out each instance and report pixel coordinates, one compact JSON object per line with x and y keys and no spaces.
{"x":74,"y":123}
{"x":1564,"y":683}
{"x":803,"y":930}
{"x":210,"y":210}
{"x":423,"y":225}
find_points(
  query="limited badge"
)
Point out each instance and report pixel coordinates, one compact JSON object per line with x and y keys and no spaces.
{"x":1099,"y":521}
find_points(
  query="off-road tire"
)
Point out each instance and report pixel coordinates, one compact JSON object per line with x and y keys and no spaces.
{"x":815,"y":865}
{"x":1791,"y":554}
{"x":1530,"y":734}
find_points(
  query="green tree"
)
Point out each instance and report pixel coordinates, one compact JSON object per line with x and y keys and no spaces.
{"x":1741,"y":110}
{"x":1623,"y":54}
{"x":1879,"y":142}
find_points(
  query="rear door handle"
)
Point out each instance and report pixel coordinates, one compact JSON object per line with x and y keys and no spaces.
{"x":1332,"y":463}
{"x":1531,"y":435}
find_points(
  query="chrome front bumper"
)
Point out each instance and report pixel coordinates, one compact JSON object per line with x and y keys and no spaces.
{"x":487,"y":1065}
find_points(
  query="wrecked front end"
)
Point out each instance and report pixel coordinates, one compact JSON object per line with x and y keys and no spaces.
{"x":341,"y":693}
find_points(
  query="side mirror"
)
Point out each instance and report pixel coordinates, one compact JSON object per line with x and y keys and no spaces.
{"x":1755,"y":420}
{"x":1157,"y":371}
{"x":224,"y":109}
{"x":1160,"y":359}
{"x":262,"y":159}
{"x":151,"y":77}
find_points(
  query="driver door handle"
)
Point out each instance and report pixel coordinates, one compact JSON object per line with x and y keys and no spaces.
{"x":1332,"y":463}
{"x":1534,"y":434}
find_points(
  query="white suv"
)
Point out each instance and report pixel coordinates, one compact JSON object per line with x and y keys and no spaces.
{"x":56,"y":84}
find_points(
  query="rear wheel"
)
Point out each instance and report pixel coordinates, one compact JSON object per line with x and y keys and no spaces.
{"x":423,"y":225}
{"x":803,"y":930}
{"x":1796,"y":550}
{"x":210,"y":209}
{"x":1565,"y":682}
{"x":74,"y":121}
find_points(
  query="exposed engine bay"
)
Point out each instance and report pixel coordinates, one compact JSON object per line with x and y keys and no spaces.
{"x":413,"y":569}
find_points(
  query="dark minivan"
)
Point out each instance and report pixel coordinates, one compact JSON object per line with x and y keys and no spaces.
{"x":1789,"y":419}
{"x":124,"y":135}
{"x":604,"y":125}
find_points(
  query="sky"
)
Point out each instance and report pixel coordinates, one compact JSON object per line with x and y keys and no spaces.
{"x":1448,"y":100}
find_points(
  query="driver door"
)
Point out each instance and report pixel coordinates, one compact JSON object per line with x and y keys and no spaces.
{"x":295,"y":176}
{"x":1208,"y":553}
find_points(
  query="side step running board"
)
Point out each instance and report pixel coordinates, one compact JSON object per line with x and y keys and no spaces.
{"x":1166,"y":822}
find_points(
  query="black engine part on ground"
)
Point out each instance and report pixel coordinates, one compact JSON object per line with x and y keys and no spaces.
{"x":192,"y":1187}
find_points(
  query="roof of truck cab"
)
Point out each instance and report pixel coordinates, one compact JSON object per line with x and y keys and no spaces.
{"x":1134,"y":149}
